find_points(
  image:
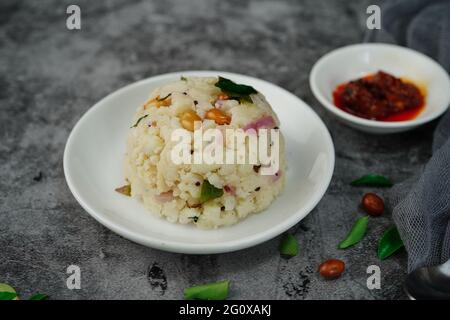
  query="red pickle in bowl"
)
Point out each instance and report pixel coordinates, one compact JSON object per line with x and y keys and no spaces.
{"x":381,"y":97}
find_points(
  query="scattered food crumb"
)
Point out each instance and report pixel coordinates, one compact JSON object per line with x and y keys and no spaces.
{"x":38,"y":177}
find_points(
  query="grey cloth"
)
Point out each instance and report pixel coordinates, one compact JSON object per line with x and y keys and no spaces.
{"x":421,"y":204}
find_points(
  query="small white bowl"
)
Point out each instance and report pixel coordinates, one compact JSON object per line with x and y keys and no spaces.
{"x":354,"y":61}
{"x":95,"y":150}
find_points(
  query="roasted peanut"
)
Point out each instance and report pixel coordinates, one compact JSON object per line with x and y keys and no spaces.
{"x":218,"y":116}
{"x":158,"y":102}
{"x":331,"y":269}
{"x":372,"y":204}
{"x":188,"y":119}
{"x":223,"y":96}
{"x":165,"y":103}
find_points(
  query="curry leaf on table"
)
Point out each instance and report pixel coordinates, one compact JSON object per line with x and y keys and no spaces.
{"x":125,"y":190}
{"x":211,"y":291}
{"x":356,"y":233}
{"x":38,"y":296}
{"x":372,"y":180}
{"x":389,"y":243}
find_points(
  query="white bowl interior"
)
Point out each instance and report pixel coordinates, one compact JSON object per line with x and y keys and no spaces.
{"x":355,"y":61}
{"x":93,"y":167}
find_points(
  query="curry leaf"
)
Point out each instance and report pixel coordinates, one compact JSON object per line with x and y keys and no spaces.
{"x":8,"y":295}
{"x":212,"y":291}
{"x":356,"y":234}
{"x":38,"y":296}
{"x":236,"y":91}
{"x":389,"y":243}
{"x":163,"y":98}
{"x":194,"y":218}
{"x":125,"y":190}
{"x":372,"y":180}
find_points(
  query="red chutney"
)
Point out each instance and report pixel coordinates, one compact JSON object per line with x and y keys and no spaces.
{"x":381,"y":97}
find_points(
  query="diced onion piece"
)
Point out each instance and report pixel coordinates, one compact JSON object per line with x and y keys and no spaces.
{"x":264,"y":122}
{"x":164,"y":197}
{"x":230,"y":189}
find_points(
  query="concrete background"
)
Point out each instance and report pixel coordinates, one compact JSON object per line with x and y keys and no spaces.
{"x":49,"y":76}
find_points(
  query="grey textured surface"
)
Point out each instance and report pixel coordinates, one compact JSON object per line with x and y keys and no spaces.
{"x":49,"y":76}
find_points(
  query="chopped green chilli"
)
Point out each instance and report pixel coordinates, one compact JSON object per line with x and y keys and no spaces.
{"x":289,"y":246}
{"x":209,"y":192}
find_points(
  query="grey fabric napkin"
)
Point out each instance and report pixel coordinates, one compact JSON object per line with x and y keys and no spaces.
{"x":421,"y":204}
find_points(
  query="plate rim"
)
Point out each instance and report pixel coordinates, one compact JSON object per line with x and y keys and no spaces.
{"x":194,"y":248}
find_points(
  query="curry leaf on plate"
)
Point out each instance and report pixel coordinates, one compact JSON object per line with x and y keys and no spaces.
{"x":8,"y":295}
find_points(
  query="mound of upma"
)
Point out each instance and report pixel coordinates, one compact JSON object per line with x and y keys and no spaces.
{"x":207,"y":195}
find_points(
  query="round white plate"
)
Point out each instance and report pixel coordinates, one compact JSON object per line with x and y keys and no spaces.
{"x":95,"y":151}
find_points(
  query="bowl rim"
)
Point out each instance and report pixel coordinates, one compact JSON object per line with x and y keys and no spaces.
{"x":194,"y":248}
{"x":367,"y":122}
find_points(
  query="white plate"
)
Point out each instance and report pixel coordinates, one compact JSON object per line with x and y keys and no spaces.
{"x":95,"y":151}
{"x":352,"y":62}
